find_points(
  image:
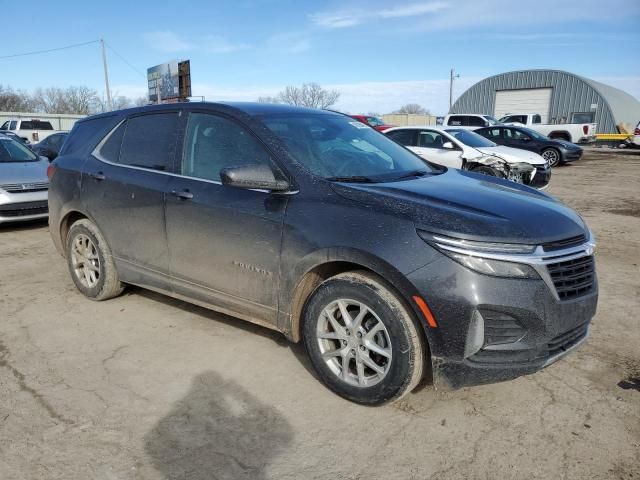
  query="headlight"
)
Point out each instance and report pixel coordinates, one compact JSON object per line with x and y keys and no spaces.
{"x":476,"y":255}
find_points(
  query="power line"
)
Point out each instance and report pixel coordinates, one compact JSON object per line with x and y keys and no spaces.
{"x":49,"y":50}
{"x":125,"y":61}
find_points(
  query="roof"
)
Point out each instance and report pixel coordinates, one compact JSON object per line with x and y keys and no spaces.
{"x":625,"y":107}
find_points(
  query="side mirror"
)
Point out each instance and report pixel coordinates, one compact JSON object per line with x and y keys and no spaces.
{"x":259,"y":177}
{"x":448,"y":145}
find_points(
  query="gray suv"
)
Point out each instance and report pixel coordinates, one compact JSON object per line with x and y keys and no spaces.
{"x":308,"y":222}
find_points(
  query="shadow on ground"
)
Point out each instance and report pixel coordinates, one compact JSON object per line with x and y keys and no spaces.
{"x":218,"y":431}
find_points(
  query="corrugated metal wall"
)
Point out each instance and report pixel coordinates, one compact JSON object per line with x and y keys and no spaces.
{"x":58,"y":121}
{"x":570,"y":94}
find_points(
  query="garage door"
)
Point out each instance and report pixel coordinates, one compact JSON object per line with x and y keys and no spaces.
{"x":527,"y":100}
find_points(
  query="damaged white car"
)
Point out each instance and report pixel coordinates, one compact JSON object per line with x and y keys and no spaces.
{"x":459,"y":148}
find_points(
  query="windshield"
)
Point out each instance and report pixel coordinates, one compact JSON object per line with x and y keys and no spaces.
{"x":470,"y":139}
{"x":12,"y":151}
{"x":340,"y":148}
{"x":375,"y":121}
{"x":492,"y":121}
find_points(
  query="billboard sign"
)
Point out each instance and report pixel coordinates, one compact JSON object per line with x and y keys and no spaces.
{"x":163,"y":81}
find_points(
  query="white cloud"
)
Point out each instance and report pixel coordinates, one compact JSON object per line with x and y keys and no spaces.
{"x":218,"y":44}
{"x":352,"y":17}
{"x":167,"y":42}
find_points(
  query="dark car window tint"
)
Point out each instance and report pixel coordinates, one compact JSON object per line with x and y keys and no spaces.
{"x":110,"y":150}
{"x":35,"y":125}
{"x":403,"y":137}
{"x":476,"y":121}
{"x":213,"y":143}
{"x":491,"y":133}
{"x":150,"y":141}
{"x":5,"y":126}
{"x":12,"y":151}
{"x":12,"y":126}
{"x":431,"y":139}
{"x":55,"y":141}
{"x":536,"y":119}
{"x":514,"y":134}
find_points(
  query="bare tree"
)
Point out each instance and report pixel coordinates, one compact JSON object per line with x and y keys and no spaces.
{"x":310,"y":95}
{"x":373,"y":114}
{"x":413,"y":108}
{"x":268,"y":99}
{"x":74,"y":100}
{"x":15,"y":100}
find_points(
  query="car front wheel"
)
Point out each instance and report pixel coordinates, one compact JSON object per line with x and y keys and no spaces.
{"x":362,"y":340}
{"x":552,"y":156}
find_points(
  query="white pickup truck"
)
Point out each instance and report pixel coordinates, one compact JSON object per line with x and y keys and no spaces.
{"x":31,"y":130}
{"x":571,"y":132}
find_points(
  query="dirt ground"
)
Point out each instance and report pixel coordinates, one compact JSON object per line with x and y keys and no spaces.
{"x":146,"y":387}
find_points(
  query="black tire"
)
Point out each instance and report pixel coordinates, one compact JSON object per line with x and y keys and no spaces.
{"x":404,"y":369}
{"x":486,"y":170}
{"x":107,"y":284}
{"x":553,"y":155}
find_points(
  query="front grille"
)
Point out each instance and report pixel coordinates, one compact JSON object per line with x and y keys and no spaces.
{"x":566,"y":243}
{"x":573,"y":278}
{"x":25,"y":187}
{"x":500,"y":328}
{"x":24,"y":209}
{"x":567,"y":340}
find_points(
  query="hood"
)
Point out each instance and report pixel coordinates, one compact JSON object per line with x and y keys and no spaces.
{"x":471,"y":206}
{"x":23,"y":172}
{"x":513,"y":155}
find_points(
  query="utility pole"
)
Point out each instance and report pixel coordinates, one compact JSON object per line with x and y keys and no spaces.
{"x":106,"y":75}
{"x":451,"y":77}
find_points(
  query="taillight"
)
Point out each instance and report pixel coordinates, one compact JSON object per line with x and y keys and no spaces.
{"x":51,"y":169}
{"x":636,"y":131}
{"x":585,"y":129}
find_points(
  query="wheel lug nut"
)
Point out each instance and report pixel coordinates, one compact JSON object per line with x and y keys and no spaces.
{"x":344,"y":342}
{"x":362,"y":348}
{"x":353,"y":352}
{"x":359,"y":334}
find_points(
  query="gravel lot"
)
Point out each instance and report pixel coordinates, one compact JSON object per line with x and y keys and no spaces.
{"x":146,"y":387}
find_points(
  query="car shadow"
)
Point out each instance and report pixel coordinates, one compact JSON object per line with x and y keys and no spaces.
{"x":218,"y":430}
{"x":24,"y":225}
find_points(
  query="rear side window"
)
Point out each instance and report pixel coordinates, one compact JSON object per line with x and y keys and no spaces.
{"x":403,"y":137}
{"x":431,"y":139}
{"x":110,"y":148}
{"x":35,"y":125}
{"x":86,"y":134}
{"x":536,"y":119}
{"x":213,"y":143}
{"x":150,"y":141}
{"x":457,"y":121}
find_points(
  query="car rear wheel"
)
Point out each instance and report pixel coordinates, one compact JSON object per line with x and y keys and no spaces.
{"x":552,"y":156}
{"x":90,"y":262}
{"x":362,"y":340}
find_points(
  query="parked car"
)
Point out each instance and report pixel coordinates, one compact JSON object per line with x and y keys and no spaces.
{"x":314,"y":225}
{"x":50,"y":146}
{"x":23,"y":182}
{"x":458,"y":148}
{"x":32,"y":130}
{"x":570,"y":132}
{"x":16,"y":137}
{"x":554,"y":151}
{"x":469,"y":121}
{"x":373,"y":122}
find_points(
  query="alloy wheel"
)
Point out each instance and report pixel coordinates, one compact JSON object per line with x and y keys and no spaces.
{"x":85,"y":260}
{"x":551,"y":156}
{"x":354,"y":343}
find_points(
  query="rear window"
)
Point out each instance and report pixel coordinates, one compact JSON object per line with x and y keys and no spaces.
{"x":457,"y":121}
{"x":150,"y":141}
{"x":12,"y":151}
{"x":35,"y":125}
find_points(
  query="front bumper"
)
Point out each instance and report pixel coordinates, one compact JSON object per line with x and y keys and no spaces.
{"x":571,"y":155}
{"x":541,"y":178}
{"x":525,"y":326}
{"x":18,"y":207}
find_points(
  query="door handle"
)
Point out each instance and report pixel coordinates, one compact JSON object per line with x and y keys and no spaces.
{"x":183,"y":194}
{"x":97,"y":176}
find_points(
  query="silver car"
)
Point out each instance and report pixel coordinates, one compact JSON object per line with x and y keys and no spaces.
{"x":24,"y":185}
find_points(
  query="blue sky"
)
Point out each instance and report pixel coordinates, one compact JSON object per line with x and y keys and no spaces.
{"x":379,"y":54}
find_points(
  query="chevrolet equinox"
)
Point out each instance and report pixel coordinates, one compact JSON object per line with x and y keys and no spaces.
{"x":389,"y":269}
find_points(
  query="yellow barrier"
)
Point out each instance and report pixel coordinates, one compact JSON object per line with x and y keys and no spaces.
{"x":613,"y":136}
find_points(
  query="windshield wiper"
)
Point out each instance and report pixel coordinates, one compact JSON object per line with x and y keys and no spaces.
{"x":413,"y":173}
{"x":352,"y":179}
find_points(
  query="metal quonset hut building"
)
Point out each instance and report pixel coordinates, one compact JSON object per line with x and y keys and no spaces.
{"x":558,"y":96}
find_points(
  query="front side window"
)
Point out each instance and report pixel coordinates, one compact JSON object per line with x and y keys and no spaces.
{"x":403,"y":137}
{"x":537,"y":119}
{"x":337,"y":147}
{"x":213,"y":143}
{"x":431,"y":139}
{"x":149,"y":141}
{"x":513,"y":134}
{"x":492,"y":133}
{"x":5,"y":126}
{"x":12,"y":125}
{"x":13,"y":151}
